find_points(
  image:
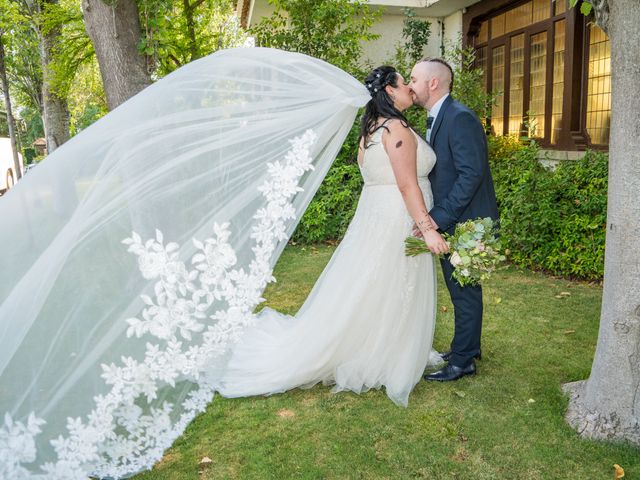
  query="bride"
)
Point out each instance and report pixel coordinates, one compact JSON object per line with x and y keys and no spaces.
{"x":368,"y":321}
{"x":133,"y":259}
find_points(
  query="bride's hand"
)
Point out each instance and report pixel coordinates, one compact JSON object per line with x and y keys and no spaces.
{"x":435,"y":243}
{"x":416,"y":231}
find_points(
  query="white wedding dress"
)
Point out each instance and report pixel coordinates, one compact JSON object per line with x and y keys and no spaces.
{"x":368,"y":321}
{"x":135,"y":255}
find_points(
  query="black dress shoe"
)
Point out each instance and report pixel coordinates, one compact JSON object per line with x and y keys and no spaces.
{"x":451,"y":372}
{"x":447,"y":355}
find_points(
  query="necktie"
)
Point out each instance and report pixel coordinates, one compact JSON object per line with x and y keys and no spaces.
{"x":429,"y":125}
{"x":429,"y":122}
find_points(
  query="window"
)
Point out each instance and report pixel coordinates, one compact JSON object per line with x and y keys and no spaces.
{"x":516,"y":83}
{"x":518,"y":17}
{"x":552,"y":87}
{"x":497,"y":26}
{"x":497,"y":80}
{"x":541,"y":10}
{"x":514,"y":46}
{"x":559,"y":6}
{"x":599,"y":87}
{"x":481,"y":63}
{"x":558,"y":80}
{"x":483,"y":33}
{"x":537,"y":84}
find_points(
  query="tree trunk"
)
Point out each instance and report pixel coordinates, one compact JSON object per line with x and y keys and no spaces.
{"x":55,"y":109}
{"x":115,"y":33}
{"x":10,"y":120}
{"x":607,"y":405}
{"x":191,"y":30}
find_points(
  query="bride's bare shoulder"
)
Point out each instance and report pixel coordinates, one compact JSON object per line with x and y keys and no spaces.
{"x":398,"y":132}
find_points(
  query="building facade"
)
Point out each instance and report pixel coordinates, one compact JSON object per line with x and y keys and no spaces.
{"x":549,"y":64}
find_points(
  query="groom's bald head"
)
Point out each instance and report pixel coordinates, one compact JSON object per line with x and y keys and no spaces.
{"x":439,"y":69}
{"x":431,"y":79}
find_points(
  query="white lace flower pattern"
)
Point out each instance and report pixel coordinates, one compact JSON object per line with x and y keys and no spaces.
{"x":119,"y":437}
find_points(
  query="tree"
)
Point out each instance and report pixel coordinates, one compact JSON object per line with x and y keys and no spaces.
{"x":9,"y":16}
{"x":24,"y":67}
{"x":114,"y":29}
{"x":176,"y":33}
{"x":4,"y":82}
{"x":55,"y":110}
{"x":74,"y":70}
{"x":29,"y":68}
{"x":328,"y":29}
{"x":607,"y":405}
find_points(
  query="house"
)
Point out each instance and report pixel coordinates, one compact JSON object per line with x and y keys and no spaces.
{"x":445,"y":17}
{"x":550,"y":64}
{"x":40,"y":146}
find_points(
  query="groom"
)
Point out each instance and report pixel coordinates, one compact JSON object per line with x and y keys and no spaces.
{"x":462,"y":190}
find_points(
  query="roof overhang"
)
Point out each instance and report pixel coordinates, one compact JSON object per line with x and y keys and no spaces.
{"x":425,"y":8}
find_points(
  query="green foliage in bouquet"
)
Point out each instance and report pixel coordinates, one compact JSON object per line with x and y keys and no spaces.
{"x":475,"y":250}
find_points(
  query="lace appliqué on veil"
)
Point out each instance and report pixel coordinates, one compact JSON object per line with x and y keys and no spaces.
{"x":120,"y":437}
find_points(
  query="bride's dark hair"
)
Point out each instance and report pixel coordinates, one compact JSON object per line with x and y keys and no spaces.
{"x":380,"y":104}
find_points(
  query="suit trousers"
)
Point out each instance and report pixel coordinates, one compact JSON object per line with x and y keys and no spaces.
{"x":467,"y":307}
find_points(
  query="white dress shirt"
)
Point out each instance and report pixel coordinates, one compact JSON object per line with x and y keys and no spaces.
{"x":434,"y":113}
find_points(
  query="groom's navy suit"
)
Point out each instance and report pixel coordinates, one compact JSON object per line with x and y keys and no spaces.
{"x":462,"y":190}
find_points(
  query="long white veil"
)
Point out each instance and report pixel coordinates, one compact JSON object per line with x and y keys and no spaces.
{"x":134,"y":255}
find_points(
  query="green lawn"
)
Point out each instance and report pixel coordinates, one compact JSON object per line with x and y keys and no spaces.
{"x":505,"y":423}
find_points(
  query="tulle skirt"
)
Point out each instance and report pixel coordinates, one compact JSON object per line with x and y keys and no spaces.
{"x":367,"y":323}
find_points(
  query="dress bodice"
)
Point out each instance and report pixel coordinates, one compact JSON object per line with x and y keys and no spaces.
{"x":376,"y":166}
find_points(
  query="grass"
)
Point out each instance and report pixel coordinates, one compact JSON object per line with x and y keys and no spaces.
{"x":505,"y":423}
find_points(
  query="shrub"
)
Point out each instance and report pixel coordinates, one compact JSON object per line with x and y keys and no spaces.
{"x":552,"y":220}
{"x":333,"y":206}
{"x":328,"y":29}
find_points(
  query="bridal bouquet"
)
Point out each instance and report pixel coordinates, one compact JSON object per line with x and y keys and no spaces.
{"x":475,"y":250}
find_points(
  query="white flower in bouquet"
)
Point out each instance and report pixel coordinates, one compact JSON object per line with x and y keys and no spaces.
{"x":455,"y":259}
{"x":476,"y":251}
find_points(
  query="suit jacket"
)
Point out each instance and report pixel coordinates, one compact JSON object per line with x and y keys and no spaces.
{"x":461,"y":180}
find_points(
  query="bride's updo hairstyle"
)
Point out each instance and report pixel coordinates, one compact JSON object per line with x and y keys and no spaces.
{"x":381,"y":104}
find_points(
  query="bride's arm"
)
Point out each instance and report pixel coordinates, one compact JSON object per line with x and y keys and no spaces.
{"x":401,"y":146}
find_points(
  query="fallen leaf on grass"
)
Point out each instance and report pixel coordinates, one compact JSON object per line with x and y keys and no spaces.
{"x":531,"y":400}
{"x":619,"y":471}
{"x":460,"y":394}
{"x":284,"y":413}
{"x":443,"y":308}
{"x":569,"y":332}
{"x":497,"y":300}
{"x":461,"y":455}
{"x":205,"y":461}
{"x":563,"y":295}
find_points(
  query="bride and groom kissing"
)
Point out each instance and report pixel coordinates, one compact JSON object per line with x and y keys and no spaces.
{"x":165,"y":333}
{"x":369,"y":319}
